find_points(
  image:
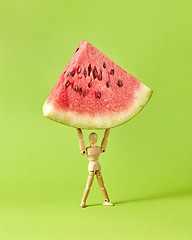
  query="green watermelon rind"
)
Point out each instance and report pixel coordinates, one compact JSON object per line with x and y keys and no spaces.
{"x":86,"y":121}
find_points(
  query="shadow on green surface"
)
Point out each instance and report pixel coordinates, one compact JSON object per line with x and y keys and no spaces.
{"x":161,"y":196}
{"x":147,"y":198}
{"x":125,"y":201}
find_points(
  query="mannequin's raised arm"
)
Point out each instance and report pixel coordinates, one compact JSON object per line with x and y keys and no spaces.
{"x":81,"y":141}
{"x":105,"y":140}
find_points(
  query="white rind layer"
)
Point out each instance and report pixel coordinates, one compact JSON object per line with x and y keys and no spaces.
{"x":86,"y":121}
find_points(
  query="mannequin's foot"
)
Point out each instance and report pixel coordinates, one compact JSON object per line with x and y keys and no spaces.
{"x":108,"y":204}
{"x":83,"y":204}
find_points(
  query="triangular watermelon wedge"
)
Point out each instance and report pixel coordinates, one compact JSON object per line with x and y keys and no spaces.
{"x":93,"y":92}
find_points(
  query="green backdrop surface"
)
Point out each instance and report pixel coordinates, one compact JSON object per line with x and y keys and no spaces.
{"x":147,"y":167}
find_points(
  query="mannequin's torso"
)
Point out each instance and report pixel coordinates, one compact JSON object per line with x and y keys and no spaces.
{"x":93,"y":154}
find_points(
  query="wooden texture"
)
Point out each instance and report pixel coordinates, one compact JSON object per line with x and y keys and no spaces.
{"x":93,"y":152}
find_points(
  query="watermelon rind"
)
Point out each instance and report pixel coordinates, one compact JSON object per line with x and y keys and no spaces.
{"x":86,"y":121}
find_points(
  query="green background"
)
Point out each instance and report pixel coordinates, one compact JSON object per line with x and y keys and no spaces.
{"x":147,"y":167}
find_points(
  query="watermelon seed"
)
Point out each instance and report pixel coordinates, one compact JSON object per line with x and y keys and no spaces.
{"x":95,"y":73}
{"x":100,"y":76}
{"x":67,"y":84}
{"x":84,"y":94}
{"x":99,"y":95}
{"x":64,"y":72}
{"x":71,"y":74}
{"x":79,"y":69}
{"x":76,"y":88}
{"x":89,"y":85}
{"x":89,"y":70}
{"x":104,"y":65}
{"x":108,"y":84}
{"x":120,"y":84}
{"x":112,"y":72}
{"x":77,"y":50}
{"x":85,"y":73}
{"x":80,"y":90}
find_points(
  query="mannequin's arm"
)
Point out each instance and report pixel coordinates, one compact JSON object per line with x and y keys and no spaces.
{"x":105,"y":140}
{"x":81,"y":141}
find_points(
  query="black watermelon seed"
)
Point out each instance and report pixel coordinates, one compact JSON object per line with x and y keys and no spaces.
{"x":100,"y":76}
{"x":76,"y":88}
{"x":80,"y":90}
{"x":104,"y":65}
{"x":112,"y":72}
{"x":77,"y":49}
{"x":72,"y":73}
{"x":89,"y":85}
{"x":69,"y":74}
{"x":108,"y":84}
{"x":95,"y":73}
{"x":79,"y":69}
{"x":67,"y":84}
{"x":84,"y":94}
{"x":120,"y":84}
{"x":99,"y":95}
{"x":64,"y":72}
{"x":85,"y":73}
{"x":89,"y":70}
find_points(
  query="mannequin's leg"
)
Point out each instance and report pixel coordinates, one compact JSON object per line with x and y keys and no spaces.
{"x":103,"y":189}
{"x":87,"y":189}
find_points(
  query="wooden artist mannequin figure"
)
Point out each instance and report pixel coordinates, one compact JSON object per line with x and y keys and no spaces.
{"x":94,"y":167}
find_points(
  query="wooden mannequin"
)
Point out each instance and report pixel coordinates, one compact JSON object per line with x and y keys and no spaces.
{"x":94,"y":167}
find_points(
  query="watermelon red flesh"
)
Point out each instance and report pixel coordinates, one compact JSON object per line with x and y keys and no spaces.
{"x":93,"y":92}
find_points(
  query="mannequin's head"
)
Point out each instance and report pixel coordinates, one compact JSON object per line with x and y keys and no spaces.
{"x":93,"y":138}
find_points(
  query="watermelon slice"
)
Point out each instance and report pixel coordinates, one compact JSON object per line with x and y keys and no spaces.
{"x":93,"y":92}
